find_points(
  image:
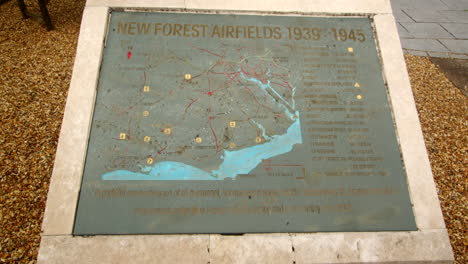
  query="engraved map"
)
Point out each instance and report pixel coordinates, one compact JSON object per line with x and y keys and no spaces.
{"x":217,"y":113}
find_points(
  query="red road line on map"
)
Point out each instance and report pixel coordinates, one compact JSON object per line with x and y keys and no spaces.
{"x":229,"y":74}
{"x":212,"y":53}
{"x":191,"y":103}
{"x":210,"y":93}
{"x":209,"y":82}
{"x":126,"y":110}
{"x":196,"y":76}
{"x":129,"y":128}
{"x":225,"y":73}
{"x":242,"y":70}
{"x":289,"y":87}
{"x":186,"y":109}
{"x":214,"y":134}
{"x":159,"y":152}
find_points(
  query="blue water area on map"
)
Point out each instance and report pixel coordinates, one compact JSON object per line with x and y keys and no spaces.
{"x":234,"y":162}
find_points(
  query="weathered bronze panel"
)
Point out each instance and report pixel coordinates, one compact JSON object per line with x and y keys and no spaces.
{"x":208,"y":123}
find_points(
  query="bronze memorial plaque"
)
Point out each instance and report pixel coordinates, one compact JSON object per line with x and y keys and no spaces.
{"x":220,"y":123}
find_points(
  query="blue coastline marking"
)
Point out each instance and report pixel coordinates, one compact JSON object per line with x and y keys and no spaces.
{"x":233,"y":162}
{"x":268,"y":86}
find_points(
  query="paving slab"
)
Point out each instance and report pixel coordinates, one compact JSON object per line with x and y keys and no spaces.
{"x":380,"y":247}
{"x":423,"y":15}
{"x":438,"y":54}
{"x":141,"y":3}
{"x":400,"y":16}
{"x":65,"y":183}
{"x":427,"y":30}
{"x":456,"y":16}
{"x":251,"y":248}
{"x":166,"y":249}
{"x":417,"y":53}
{"x":422,"y":186}
{"x":317,"y":6}
{"x":456,"y":45}
{"x":423,"y":45}
{"x":403,"y":32}
{"x":459,"y":30}
{"x":445,"y":55}
{"x":415,"y":4}
{"x":456,"y":4}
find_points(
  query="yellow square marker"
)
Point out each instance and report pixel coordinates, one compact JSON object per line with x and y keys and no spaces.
{"x":198,"y":140}
{"x":145,"y":113}
{"x":350,"y":49}
{"x":232,"y":145}
{"x":232,"y":124}
{"x":357,"y":85}
{"x":359,"y":97}
{"x":123,"y":136}
{"x":258,"y":139}
{"x":188,"y":76}
{"x":149,"y":160}
{"x":146,"y":88}
{"x":167,"y":131}
{"x":147,"y":139}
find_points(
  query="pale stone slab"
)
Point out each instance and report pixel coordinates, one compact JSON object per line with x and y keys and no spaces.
{"x":416,"y":52}
{"x":426,"y":16}
{"x":422,"y":188}
{"x":317,"y":6}
{"x":378,"y":247}
{"x":71,"y":150}
{"x":415,"y":4}
{"x":439,"y":54}
{"x":403,"y":32}
{"x":251,"y":248}
{"x":457,"y":4}
{"x":424,"y":45}
{"x":456,"y":16}
{"x":165,"y":249}
{"x":458,"y":30}
{"x":402,"y":17}
{"x":456,"y":45}
{"x":138,"y":3}
{"x":427,"y":30}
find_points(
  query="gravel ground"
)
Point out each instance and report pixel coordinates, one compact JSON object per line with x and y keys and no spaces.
{"x":35,"y":71}
{"x":443,"y":112}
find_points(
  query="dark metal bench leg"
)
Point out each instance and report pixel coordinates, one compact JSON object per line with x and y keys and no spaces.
{"x":22,"y":7}
{"x":45,"y":14}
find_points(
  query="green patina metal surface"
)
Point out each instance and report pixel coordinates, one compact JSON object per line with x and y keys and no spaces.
{"x":209,"y":123}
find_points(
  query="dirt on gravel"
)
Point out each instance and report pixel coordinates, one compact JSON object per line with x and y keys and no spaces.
{"x":456,"y":71}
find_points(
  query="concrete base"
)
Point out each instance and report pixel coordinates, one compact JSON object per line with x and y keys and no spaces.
{"x":384,"y":247}
{"x":429,"y":244}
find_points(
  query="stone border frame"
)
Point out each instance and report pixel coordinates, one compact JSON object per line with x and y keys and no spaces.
{"x":429,"y":244}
